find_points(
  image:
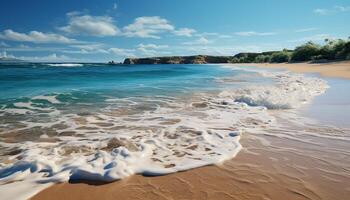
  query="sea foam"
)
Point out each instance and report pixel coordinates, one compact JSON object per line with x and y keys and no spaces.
{"x":65,"y":65}
{"x":147,"y":135}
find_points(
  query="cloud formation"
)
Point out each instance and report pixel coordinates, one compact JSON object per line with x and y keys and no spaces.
{"x":115,"y":6}
{"x":35,"y":37}
{"x":148,"y":27}
{"x":188,"y":32}
{"x":49,"y":58}
{"x":334,"y":10}
{"x":90,"y":25}
{"x":199,"y":41}
{"x":254,"y":33}
{"x":315,"y":38}
{"x":3,"y":44}
{"x":151,"y":49}
{"x":122,"y":52}
{"x":305,"y":30}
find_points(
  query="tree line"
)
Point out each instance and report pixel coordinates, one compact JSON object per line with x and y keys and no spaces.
{"x":333,"y":49}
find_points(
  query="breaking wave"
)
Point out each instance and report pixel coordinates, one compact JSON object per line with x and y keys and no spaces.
{"x":139,"y":135}
{"x":65,"y":65}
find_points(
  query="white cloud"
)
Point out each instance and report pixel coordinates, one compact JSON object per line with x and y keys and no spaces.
{"x":4,"y":44}
{"x":35,"y":37}
{"x":211,"y":50}
{"x":213,"y":35}
{"x":203,"y":40}
{"x":334,"y":10}
{"x":315,"y":38}
{"x":225,"y":36}
{"x":123,"y":52}
{"x":227,"y":50}
{"x":207,"y":34}
{"x":148,"y":27}
{"x":90,"y":25}
{"x":253,"y":33}
{"x":151,"y":49}
{"x":88,"y":48}
{"x":26,"y":48}
{"x":4,"y":55}
{"x":148,"y":52}
{"x":152,"y":46}
{"x":305,"y":30}
{"x":115,"y":6}
{"x":188,"y":32}
{"x":199,"y":41}
{"x":320,"y":11}
{"x":49,"y":58}
{"x":342,"y":8}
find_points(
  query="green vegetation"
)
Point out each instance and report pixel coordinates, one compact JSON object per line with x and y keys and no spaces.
{"x":338,"y":49}
{"x":262,"y":59}
{"x":281,"y":56}
{"x":332,"y":50}
{"x":305,"y":52}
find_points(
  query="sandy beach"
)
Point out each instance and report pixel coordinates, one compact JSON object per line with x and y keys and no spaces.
{"x":329,"y":69}
{"x":282,"y":164}
{"x":276,"y":171}
{"x":174,"y":100}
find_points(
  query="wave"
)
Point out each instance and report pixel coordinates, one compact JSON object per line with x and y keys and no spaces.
{"x":65,"y":65}
{"x":144,"y":135}
{"x":287,"y":92}
{"x":51,"y":99}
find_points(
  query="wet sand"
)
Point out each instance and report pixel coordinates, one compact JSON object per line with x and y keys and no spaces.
{"x":270,"y":166}
{"x":278,"y":164}
{"x":329,"y":69}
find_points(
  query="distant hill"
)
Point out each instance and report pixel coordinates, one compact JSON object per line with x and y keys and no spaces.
{"x":9,"y":60}
{"x":197,"y":59}
{"x":201,"y":59}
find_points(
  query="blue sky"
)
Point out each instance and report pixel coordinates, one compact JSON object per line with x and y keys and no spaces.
{"x":98,"y":31}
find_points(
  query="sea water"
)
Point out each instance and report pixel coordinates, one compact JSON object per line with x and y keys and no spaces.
{"x":67,"y":121}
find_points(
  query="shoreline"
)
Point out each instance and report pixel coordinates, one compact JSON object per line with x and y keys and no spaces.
{"x":260,"y":171}
{"x":340,"y":69}
{"x":301,"y":169}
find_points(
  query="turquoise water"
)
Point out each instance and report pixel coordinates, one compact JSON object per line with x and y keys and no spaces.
{"x":98,"y":82}
{"x":39,"y":79}
{"x":60,"y":122}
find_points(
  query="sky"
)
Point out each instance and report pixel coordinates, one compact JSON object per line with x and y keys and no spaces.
{"x":99,"y":31}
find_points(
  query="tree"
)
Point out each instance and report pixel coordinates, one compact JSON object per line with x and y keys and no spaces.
{"x":262,"y":59}
{"x":280,"y":57}
{"x":305,"y":52}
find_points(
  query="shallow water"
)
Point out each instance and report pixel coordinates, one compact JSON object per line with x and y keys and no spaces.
{"x":332,"y":107}
{"x":99,"y":122}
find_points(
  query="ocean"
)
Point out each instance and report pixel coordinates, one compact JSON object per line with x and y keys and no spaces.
{"x":67,"y":121}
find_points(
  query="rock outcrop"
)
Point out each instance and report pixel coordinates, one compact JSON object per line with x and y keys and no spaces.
{"x":198,"y":59}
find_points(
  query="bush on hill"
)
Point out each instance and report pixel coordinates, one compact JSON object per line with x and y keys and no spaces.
{"x":262,"y":59}
{"x":305,"y":52}
{"x":280,"y":57}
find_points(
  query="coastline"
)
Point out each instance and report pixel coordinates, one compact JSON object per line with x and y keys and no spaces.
{"x":283,"y":168}
{"x":339,"y":69}
{"x":280,"y":168}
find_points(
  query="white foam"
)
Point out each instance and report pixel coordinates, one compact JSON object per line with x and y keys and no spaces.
{"x":51,"y":99}
{"x":173,"y":135}
{"x":29,"y":105}
{"x":65,"y":65}
{"x":20,"y":111}
{"x":290,"y":91}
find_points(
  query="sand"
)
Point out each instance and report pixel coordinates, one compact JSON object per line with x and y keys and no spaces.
{"x":277,"y":169}
{"x":279,"y":165}
{"x":329,"y":69}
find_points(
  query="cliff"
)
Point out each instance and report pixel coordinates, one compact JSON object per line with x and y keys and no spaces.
{"x":198,"y":59}
{"x":9,"y":60}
